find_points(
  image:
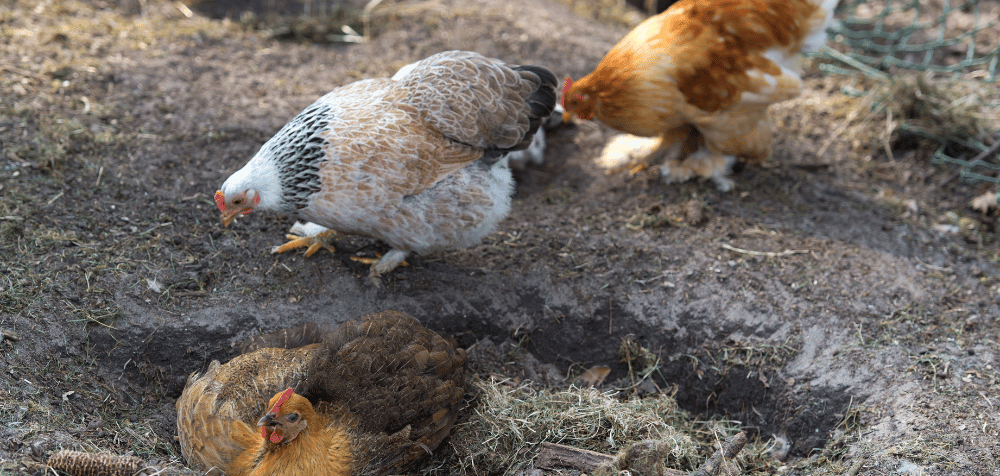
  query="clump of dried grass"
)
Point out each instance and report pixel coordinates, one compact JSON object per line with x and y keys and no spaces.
{"x":943,"y":108}
{"x":510,"y":421}
{"x":641,"y":361}
{"x":916,"y":104}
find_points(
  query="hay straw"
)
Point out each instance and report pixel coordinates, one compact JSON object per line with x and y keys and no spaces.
{"x":511,"y":421}
{"x":947,"y":109}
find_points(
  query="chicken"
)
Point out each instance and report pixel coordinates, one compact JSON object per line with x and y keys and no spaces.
{"x":700,"y":77}
{"x":418,"y":162}
{"x":535,"y":153}
{"x":372,"y":397}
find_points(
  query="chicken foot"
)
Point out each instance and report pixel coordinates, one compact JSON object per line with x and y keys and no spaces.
{"x":387,"y":262}
{"x":310,"y":236}
{"x":704,"y":164}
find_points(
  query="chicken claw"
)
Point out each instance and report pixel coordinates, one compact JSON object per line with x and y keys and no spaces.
{"x":371,"y":261}
{"x":383,"y":264}
{"x":713,"y":166}
{"x":308,"y":235}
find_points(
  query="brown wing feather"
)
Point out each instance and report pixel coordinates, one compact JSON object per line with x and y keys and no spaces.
{"x":380,"y":149}
{"x":403,"y":383}
{"x":397,"y":376}
{"x":204,"y":435}
{"x":471,"y":99}
{"x":480,"y":101}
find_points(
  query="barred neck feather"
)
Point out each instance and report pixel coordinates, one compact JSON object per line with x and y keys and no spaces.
{"x":297,"y":150}
{"x":286,"y":168}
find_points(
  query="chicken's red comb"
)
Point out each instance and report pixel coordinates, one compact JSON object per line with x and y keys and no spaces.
{"x":565,"y":91}
{"x":281,"y":400}
{"x":220,"y":200}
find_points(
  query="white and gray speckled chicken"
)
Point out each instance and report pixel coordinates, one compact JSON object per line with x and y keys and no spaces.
{"x":418,"y":161}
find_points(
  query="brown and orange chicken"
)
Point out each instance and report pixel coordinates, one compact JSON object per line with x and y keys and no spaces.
{"x":373,"y":397}
{"x":700,"y":77}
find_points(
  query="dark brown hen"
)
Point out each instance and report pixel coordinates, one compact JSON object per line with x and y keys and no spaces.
{"x":382,"y":392}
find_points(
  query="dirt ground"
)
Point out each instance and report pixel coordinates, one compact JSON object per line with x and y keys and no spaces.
{"x":839,"y":297}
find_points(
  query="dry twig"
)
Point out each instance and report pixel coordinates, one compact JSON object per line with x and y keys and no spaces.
{"x":858,"y":464}
{"x":554,"y":456}
{"x":22,"y":72}
{"x":769,"y":254}
{"x":730,"y":448}
{"x":647,"y":455}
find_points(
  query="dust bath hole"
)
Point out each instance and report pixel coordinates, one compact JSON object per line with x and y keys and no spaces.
{"x":754,"y":391}
{"x":704,"y":383}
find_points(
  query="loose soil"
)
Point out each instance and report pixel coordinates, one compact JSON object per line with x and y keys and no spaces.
{"x":839,"y":297}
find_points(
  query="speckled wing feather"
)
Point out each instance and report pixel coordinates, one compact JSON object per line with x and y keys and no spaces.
{"x":446,"y":112}
{"x":213,"y":409}
{"x":476,"y":100}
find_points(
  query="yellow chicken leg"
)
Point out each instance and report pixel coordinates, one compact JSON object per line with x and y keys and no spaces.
{"x":371,"y":261}
{"x":383,"y":264}
{"x":310,"y":236}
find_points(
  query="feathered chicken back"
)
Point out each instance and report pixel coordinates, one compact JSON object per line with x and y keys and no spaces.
{"x":389,"y":369}
{"x":478,"y":101}
{"x":391,"y":385}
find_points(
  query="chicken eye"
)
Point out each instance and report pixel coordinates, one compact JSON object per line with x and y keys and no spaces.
{"x":238,"y":201}
{"x":293,"y":417}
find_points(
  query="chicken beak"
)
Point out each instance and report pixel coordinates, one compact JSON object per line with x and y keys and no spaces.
{"x":228,"y":216}
{"x":567,"y":116}
{"x":267,"y":420}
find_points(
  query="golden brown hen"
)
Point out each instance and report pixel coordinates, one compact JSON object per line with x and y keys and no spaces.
{"x":700,"y":77}
{"x":372,"y":397}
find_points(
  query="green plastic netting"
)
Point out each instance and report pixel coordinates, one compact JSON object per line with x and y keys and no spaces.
{"x":941,"y":38}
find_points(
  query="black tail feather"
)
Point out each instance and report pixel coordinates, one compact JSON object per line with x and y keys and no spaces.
{"x":542,"y":102}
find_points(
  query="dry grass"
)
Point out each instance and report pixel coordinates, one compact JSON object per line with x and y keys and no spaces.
{"x":913,"y":103}
{"x":509,"y":421}
{"x":87,"y":417}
